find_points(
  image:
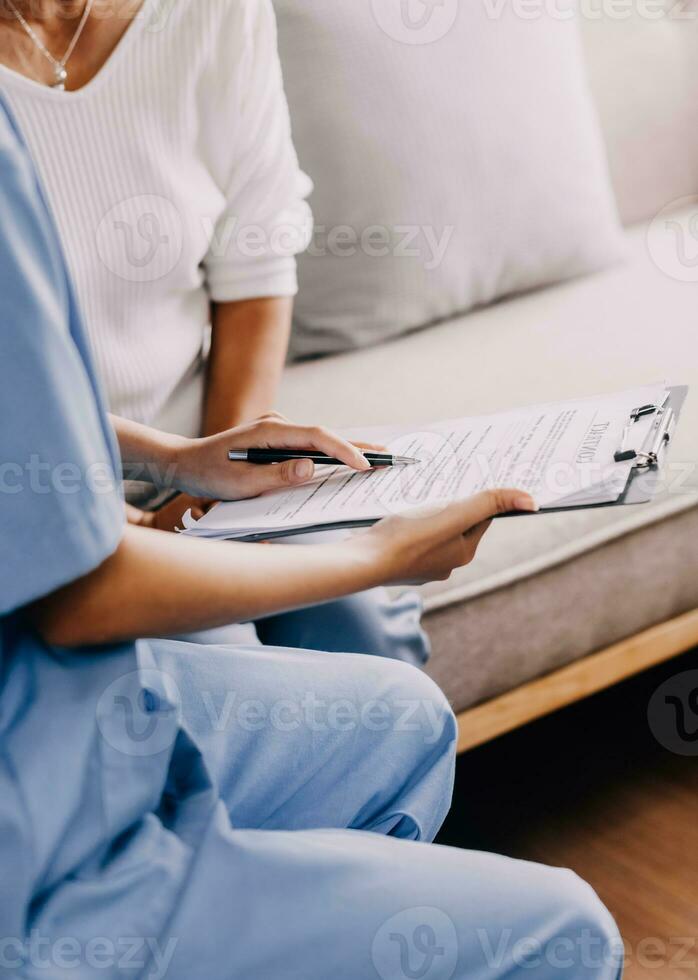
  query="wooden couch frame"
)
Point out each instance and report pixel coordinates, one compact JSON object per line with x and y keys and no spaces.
{"x":577,"y":680}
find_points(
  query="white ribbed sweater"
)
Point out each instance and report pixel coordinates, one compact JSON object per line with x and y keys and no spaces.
{"x":174,"y":181}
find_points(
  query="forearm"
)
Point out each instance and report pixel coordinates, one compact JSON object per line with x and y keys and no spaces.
{"x":158,"y":585}
{"x":147,"y":454}
{"x":248,"y":352}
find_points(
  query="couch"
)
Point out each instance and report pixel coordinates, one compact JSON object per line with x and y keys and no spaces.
{"x":559,"y":606}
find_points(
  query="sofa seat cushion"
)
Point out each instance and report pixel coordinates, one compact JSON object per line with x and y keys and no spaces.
{"x":505,"y":637}
{"x":630,"y":325}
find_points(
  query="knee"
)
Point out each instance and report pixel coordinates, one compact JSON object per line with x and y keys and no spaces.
{"x":546,"y":922}
{"x":588,"y":944}
{"x":417,"y":705}
{"x":419,"y":740}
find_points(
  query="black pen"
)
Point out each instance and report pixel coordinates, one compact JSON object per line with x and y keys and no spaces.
{"x":265,"y":456}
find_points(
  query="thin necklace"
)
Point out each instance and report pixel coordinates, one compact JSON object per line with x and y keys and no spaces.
{"x":58,"y":64}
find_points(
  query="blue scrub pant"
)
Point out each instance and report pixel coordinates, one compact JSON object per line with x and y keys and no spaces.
{"x":370,"y":622}
{"x":334,"y":772}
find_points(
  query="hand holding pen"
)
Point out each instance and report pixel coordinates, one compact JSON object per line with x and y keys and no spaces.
{"x":203,"y":467}
{"x":267,"y":456}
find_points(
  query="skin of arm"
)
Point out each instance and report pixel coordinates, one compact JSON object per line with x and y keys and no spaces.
{"x":248,"y":350}
{"x":201,"y":466}
{"x":159,"y":585}
{"x":146,"y":451}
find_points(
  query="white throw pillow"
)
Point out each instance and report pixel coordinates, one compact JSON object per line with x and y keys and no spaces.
{"x":456,"y":155}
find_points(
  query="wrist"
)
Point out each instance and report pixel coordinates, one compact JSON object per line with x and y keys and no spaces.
{"x":173,"y":461}
{"x":369,"y":559}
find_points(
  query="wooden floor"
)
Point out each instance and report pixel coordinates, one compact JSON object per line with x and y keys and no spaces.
{"x":590,"y":788}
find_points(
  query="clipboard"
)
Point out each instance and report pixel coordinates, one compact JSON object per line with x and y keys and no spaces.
{"x":645,"y":476}
{"x":644,"y":447}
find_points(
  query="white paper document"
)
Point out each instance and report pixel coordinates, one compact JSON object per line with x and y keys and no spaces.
{"x":561,"y":453}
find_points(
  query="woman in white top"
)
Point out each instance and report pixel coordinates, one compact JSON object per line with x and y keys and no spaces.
{"x":164,"y":145}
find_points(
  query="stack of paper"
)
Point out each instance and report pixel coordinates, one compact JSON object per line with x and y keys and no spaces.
{"x":561,"y":453}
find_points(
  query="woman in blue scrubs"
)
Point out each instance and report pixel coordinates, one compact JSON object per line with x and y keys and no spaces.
{"x":184,"y":811}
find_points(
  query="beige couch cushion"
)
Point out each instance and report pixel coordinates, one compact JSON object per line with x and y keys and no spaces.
{"x":630,"y":325}
{"x":503,"y":638}
{"x":447,"y":174}
{"x":642,"y":61}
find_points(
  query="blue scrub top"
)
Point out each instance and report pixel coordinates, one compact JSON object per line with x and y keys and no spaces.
{"x":117,"y":855}
{"x":97,"y":777}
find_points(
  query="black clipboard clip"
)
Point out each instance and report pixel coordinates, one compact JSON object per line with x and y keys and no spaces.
{"x":659,"y":436}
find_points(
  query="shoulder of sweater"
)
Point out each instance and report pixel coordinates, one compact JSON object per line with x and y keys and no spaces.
{"x":219,"y":29}
{"x":214,"y":15}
